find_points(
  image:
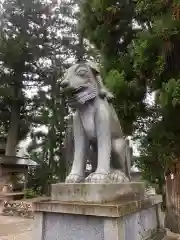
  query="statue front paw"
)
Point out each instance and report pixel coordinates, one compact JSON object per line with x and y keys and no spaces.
{"x":74,"y":178}
{"x":118,"y":176}
{"x":114,"y":176}
{"x":97,"y":178}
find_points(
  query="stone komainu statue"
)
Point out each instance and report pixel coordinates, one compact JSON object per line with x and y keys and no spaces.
{"x":97,"y":134}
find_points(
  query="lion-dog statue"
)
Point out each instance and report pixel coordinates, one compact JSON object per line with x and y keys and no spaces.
{"x":97,"y":133}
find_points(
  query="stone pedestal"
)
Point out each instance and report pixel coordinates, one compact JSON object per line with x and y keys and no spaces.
{"x":97,"y":193}
{"x":103,"y":218}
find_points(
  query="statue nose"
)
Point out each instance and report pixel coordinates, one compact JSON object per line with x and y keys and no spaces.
{"x":64,"y":84}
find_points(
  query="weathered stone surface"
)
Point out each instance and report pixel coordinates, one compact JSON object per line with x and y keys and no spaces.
{"x":113,"y":210}
{"x":96,"y":129}
{"x":97,"y":193}
{"x":131,"y":220}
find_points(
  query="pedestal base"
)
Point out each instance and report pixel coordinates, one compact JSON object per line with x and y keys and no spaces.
{"x":97,"y":193}
{"x":132,"y":220}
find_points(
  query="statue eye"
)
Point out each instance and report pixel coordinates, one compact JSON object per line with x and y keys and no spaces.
{"x":82,"y":73}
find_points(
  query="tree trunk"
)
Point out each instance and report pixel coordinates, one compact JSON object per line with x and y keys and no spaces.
{"x":12,"y":138}
{"x":80,"y":51}
{"x":172,"y":215}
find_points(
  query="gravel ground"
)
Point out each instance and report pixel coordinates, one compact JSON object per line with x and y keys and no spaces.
{"x":14,"y":228}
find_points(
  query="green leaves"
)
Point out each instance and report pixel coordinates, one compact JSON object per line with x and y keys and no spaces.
{"x":139,"y":60}
{"x":115,"y":81}
{"x":105,"y":23}
{"x":108,"y":25}
{"x":158,"y":45}
{"x":170,"y":93}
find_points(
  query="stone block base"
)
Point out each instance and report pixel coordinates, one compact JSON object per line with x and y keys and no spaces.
{"x":97,"y":193}
{"x":129,"y":220}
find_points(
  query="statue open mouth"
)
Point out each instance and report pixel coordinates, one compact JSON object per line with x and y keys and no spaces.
{"x":81,"y":94}
{"x":78,"y":90}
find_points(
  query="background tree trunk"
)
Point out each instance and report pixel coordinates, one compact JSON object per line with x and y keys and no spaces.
{"x":12,"y":138}
{"x":172,"y":215}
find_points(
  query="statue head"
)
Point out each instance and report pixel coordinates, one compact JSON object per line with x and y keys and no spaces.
{"x":79,"y":83}
{"x":83,"y":82}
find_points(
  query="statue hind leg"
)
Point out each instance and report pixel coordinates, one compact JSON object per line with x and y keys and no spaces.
{"x":121,"y":157}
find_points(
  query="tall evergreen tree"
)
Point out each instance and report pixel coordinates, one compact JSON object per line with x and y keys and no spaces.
{"x":34,"y":52}
{"x":109,"y":26}
{"x":157,"y":60}
{"x":53,"y":113}
{"x":149,"y":62}
{"x":24,"y":43}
